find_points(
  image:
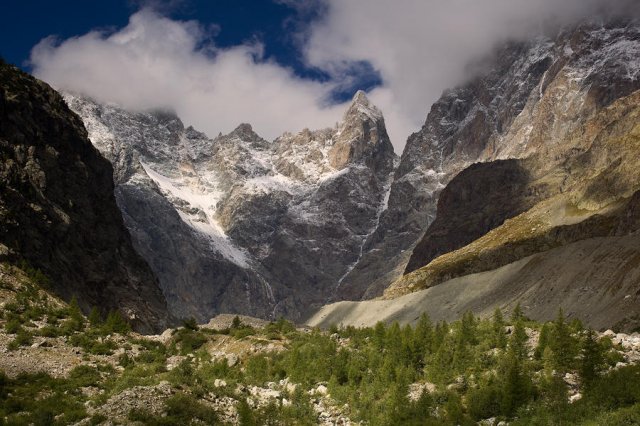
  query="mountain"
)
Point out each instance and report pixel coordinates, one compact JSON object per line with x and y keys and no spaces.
{"x":57,"y":208}
{"x":549,"y":218}
{"x":533,"y":154}
{"x":466,"y":125}
{"x":237,"y":223}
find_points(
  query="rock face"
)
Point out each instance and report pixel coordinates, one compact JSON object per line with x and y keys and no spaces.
{"x":57,"y":208}
{"x":239,"y":224}
{"x":460,"y":130}
{"x":538,"y":153}
{"x":568,"y":217}
{"x":532,"y":98}
{"x":581,"y":121}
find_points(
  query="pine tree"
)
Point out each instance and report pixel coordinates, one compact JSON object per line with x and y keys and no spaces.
{"x":379,"y":334}
{"x":543,"y":340}
{"x":517,"y":314}
{"x":454,"y":409}
{"x":245,"y":415}
{"x":499,"y":338}
{"x":553,"y":388}
{"x":76,"y":319}
{"x":469,"y":328}
{"x":439,"y":335}
{"x":236,"y":323}
{"x":518,"y":341}
{"x":116,"y":324}
{"x":95,"y":319}
{"x":563,"y":345}
{"x":516,"y":385}
{"x":592,"y":361}
{"x":423,"y":339}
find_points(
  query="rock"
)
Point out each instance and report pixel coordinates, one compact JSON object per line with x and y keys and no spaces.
{"x":321,"y":191}
{"x":321,"y":390}
{"x":232,"y":359}
{"x":219,"y":383}
{"x":416,"y":390}
{"x":166,"y":336}
{"x":575,"y":397}
{"x":58,"y":204}
{"x":571,"y":379}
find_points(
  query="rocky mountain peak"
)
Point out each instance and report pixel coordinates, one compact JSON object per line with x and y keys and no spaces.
{"x":362,"y":137}
{"x":361,"y":108}
{"x":245,"y":132}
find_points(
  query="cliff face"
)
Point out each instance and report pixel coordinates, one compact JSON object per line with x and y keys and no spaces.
{"x":57,"y":208}
{"x":237,"y":223}
{"x":577,"y":186}
{"x":461,"y":129}
{"x":591,"y":192}
{"x":548,"y":217}
{"x":532,"y":98}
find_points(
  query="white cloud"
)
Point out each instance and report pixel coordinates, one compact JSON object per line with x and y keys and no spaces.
{"x":157,"y":62}
{"x":419,"y":47}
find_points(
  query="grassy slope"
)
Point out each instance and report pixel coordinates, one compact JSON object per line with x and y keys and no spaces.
{"x":278,"y":374}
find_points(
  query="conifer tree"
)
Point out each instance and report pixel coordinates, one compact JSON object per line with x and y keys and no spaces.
{"x":423,"y":339}
{"x":469,"y":328}
{"x":563,"y":345}
{"x":518,"y":341}
{"x":499,"y":338}
{"x":592,"y":361}
{"x":94,"y":317}
{"x":517,"y":314}
{"x":543,"y":340}
{"x":516,"y":385}
{"x":553,"y":387}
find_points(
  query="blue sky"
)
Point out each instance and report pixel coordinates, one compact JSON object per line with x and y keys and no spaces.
{"x":281,"y":65}
{"x":25,"y":23}
{"x":232,"y":22}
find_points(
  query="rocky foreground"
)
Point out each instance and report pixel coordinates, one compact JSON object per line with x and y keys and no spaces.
{"x":64,"y":368}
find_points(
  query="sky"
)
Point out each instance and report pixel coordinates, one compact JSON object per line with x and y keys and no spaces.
{"x":280,"y":65}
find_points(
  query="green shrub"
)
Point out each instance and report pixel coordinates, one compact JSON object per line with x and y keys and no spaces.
{"x":84,"y":375}
{"x":97,"y":419}
{"x":180,"y":409}
{"x":189,"y":340}
{"x":190,"y":324}
{"x":49,"y":331}
{"x":95,"y":319}
{"x":183,"y":408}
{"x":125,"y":361}
{"x":13,"y":326}
{"x":624,"y":416}
{"x":23,"y":338}
{"x":484,"y":402}
{"x":90,"y":343}
{"x":115,"y":323}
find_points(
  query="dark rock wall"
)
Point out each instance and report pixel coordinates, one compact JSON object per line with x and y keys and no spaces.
{"x":57,"y":207}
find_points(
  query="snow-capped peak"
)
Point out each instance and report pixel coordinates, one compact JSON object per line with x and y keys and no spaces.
{"x":360,"y":105}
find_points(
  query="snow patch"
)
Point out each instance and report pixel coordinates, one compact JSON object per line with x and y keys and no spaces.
{"x":199,"y":214}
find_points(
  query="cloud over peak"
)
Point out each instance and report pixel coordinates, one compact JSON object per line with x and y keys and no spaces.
{"x":418,"y":48}
{"x":158,"y":62}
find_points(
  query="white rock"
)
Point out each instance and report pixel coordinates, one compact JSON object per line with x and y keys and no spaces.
{"x":322,"y":390}
{"x":232,"y":359}
{"x":574,"y":398}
